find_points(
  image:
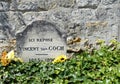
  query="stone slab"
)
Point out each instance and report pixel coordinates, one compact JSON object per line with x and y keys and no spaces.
{"x":41,"y":40}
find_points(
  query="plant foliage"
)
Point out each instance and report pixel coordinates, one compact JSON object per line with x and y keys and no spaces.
{"x":102,"y":66}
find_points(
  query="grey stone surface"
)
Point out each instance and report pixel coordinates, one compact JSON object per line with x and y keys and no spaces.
{"x":28,"y":5}
{"x":88,"y":3}
{"x":4,"y":6}
{"x":41,"y":41}
{"x":86,"y":19}
{"x":109,"y":2}
{"x":42,"y":5}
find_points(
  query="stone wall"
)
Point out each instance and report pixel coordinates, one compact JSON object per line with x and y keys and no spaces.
{"x":84,"y":19}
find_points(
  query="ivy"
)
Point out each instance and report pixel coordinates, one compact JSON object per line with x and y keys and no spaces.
{"x":100,"y":67}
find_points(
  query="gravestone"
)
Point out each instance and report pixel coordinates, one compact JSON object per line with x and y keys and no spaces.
{"x":40,"y":41}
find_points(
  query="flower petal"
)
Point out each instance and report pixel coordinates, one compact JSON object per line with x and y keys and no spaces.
{"x":11,"y":55}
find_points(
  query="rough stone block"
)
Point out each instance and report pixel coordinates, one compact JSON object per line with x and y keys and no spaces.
{"x":4,"y":6}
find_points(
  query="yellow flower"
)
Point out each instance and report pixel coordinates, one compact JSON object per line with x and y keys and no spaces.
{"x":8,"y":57}
{"x":18,"y":59}
{"x":11,"y":55}
{"x":4,"y":60}
{"x":60,"y":58}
